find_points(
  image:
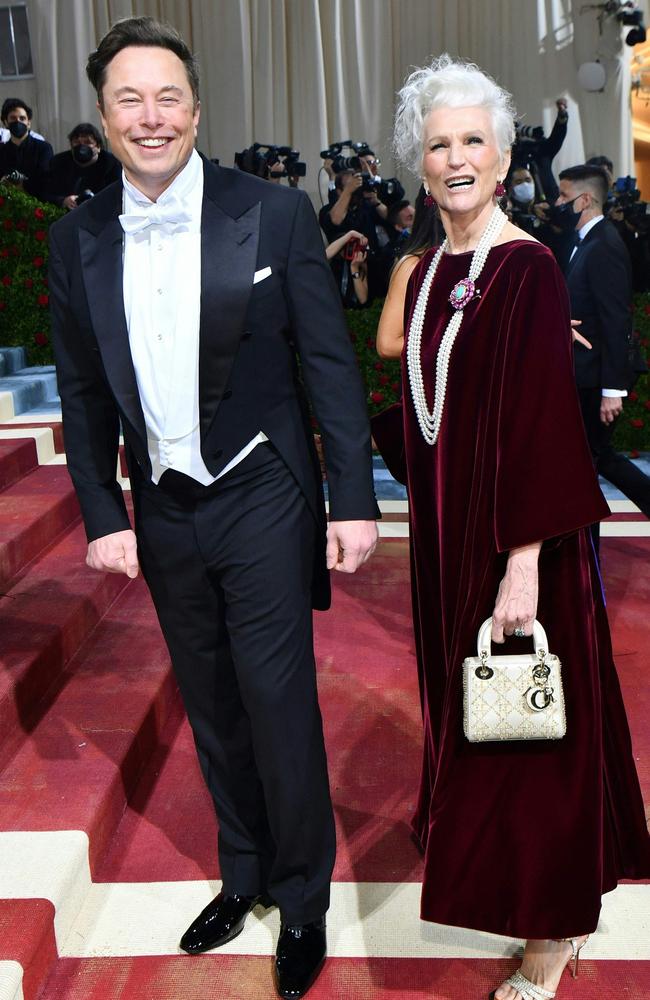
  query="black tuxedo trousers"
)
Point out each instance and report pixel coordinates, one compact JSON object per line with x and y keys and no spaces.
{"x":230,"y":571}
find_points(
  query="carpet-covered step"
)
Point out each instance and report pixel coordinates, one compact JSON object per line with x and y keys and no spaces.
{"x":27,"y":947}
{"x":27,"y":389}
{"x":25,"y":424}
{"x":12,"y":359}
{"x":77,"y":767}
{"x":33,"y":513}
{"x":44,"y":618}
{"x":18,"y":456}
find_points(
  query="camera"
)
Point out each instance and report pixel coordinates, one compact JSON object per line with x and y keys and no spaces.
{"x":85,"y":195}
{"x":260,"y":157}
{"x":626,"y":198}
{"x":340,"y":162}
{"x":530,"y":133}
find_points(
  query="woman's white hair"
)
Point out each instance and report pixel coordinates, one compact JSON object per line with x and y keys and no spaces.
{"x":448,"y":83}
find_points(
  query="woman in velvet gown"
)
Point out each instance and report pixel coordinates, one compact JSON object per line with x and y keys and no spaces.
{"x":520,"y":838}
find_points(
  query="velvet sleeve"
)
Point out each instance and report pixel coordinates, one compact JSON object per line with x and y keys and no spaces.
{"x":545,"y":484}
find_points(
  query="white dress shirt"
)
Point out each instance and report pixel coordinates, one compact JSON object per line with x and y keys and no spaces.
{"x":582,"y":232}
{"x":162,"y":302}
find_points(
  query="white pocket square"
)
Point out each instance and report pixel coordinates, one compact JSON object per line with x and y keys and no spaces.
{"x":261,"y":275}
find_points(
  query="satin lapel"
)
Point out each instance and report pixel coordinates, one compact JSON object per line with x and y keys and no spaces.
{"x":101,"y":261}
{"x":228,"y":259}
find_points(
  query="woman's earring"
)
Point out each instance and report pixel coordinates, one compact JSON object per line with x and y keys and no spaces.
{"x":428,"y":198}
{"x":500,"y":189}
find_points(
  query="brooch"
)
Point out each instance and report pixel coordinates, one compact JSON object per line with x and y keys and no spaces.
{"x":462,"y":293}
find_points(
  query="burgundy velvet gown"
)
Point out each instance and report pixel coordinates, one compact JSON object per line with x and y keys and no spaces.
{"x":519,"y":838}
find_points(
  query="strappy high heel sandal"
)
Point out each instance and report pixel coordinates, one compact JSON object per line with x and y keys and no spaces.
{"x":531,"y":991}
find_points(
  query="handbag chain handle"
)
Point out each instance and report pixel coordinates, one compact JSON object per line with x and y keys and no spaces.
{"x":540,"y":694}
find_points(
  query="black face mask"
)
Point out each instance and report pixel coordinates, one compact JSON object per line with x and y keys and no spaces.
{"x":18,"y":129}
{"x":83,"y":154}
{"x":564,"y":216}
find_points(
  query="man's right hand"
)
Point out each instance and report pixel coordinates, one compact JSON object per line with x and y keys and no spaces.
{"x":70,"y":202}
{"x":115,"y":553}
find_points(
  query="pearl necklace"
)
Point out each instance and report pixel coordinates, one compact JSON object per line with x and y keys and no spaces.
{"x":461,"y":294}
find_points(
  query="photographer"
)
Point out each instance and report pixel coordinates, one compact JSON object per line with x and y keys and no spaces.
{"x":80,"y":172}
{"x":631,"y":217}
{"x":525,"y":212}
{"x":535,"y":152}
{"x":272,"y":163}
{"x":348,"y":260}
{"x":23,"y":157}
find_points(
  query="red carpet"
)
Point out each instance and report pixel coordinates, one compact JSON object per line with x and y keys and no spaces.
{"x":92,"y":738}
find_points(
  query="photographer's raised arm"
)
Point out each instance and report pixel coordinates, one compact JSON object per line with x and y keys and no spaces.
{"x":340,"y":208}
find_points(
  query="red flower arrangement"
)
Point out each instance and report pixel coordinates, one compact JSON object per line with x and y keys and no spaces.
{"x":41,"y":338}
{"x":43,"y":300}
{"x":40,"y":235}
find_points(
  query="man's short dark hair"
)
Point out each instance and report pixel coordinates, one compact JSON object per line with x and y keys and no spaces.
{"x":588,"y":176}
{"x":143,"y":32}
{"x":601,"y":161}
{"x":340,"y":177}
{"x":392,"y":216}
{"x":84,"y":129}
{"x":11,"y":104}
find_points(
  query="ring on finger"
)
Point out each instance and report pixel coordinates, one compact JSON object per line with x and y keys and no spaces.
{"x":519,"y":631}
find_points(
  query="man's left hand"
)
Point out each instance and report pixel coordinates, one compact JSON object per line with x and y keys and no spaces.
{"x":611,"y":407}
{"x":350,"y":544}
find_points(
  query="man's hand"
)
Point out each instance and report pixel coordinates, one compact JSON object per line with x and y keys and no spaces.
{"x":350,"y":544}
{"x":116,"y":553}
{"x":70,"y":202}
{"x":611,"y":407}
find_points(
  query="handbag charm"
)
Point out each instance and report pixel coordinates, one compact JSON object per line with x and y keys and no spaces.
{"x":513,"y":697}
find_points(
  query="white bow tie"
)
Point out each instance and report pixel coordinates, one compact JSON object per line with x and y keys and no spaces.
{"x":170,"y":212}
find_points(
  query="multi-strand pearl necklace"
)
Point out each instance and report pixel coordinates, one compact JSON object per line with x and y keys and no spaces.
{"x":461,"y":294}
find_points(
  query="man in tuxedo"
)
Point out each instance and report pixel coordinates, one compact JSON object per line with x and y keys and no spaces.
{"x":181,"y":297}
{"x":599,"y":278}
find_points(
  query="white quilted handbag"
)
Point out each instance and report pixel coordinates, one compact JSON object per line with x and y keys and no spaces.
{"x":513,"y":697}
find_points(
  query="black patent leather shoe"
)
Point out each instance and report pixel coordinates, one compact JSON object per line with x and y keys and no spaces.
{"x":221,"y":921}
{"x":300,"y":955}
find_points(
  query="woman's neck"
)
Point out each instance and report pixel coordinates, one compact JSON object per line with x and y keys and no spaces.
{"x":464,"y":231}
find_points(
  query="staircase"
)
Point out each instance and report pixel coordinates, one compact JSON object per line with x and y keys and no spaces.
{"x":85,"y":689}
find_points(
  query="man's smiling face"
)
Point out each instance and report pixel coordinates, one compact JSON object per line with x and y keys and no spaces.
{"x":149,"y":115}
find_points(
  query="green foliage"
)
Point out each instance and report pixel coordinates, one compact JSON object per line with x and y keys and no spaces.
{"x":24,"y":298}
{"x":633,"y":428}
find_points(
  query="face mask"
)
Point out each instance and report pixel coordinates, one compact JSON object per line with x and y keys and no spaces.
{"x":564,"y":215}
{"x":82,"y":154}
{"x":524,"y":192}
{"x":18,"y":129}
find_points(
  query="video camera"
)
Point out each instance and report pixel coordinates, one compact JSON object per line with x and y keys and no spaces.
{"x":260,"y":157}
{"x":626,"y":198}
{"x":387,"y":191}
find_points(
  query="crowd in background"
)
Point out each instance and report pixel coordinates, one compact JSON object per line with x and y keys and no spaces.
{"x":367,"y":221}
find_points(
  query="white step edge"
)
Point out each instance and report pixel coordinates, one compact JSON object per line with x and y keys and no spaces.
{"x":42,"y":436}
{"x":6,"y":405}
{"x":11,"y":981}
{"x":366,"y":919}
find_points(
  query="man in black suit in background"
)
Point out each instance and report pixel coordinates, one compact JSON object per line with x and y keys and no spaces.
{"x":599,"y":278}
{"x":181,"y":297}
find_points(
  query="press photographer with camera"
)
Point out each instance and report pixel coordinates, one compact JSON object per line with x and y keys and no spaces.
{"x":23,"y":156}
{"x":348,"y":260}
{"x":535,"y":152}
{"x":80,"y":172}
{"x":272,"y":163}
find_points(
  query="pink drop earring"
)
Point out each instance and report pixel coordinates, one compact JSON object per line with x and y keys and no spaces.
{"x":428,"y":198}
{"x":500,"y":189}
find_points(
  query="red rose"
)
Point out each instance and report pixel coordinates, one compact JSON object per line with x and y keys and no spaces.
{"x":3,"y":305}
{"x":634,"y":453}
{"x":8,"y":224}
{"x":647,"y":404}
{"x":38,"y":261}
{"x":40,"y":339}
{"x":637,"y":423}
{"x":370,"y":342}
{"x":6,"y":281}
{"x":28,"y":283}
{"x":40,"y":234}
{"x":43,"y":300}
{"x":4,"y":253}
{"x":647,"y":309}
{"x":377,"y":397}
{"x":644,"y":343}
{"x":384,"y":380}
{"x":39,"y":213}
{"x":395,"y":386}
{"x":378,"y":366}
{"x":21,"y":225}
{"x":632,"y":397}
